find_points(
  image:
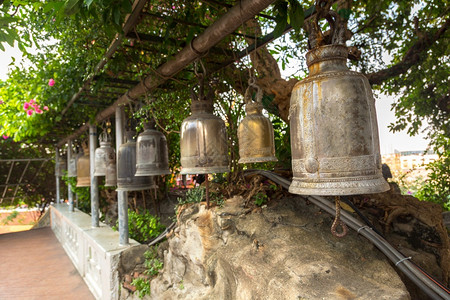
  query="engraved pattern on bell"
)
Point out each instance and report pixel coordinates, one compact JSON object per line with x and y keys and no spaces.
{"x":83,"y":170}
{"x":255,"y":134}
{"x":126,"y":168}
{"x":102,"y":155}
{"x":152,"y":156}
{"x":334,"y":135}
{"x":203,"y":142}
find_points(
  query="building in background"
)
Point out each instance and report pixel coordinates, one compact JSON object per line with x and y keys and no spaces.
{"x":408,"y":168}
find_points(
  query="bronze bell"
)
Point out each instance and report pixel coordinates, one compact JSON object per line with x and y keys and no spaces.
{"x":61,"y":166}
{"x":72,"y":169}
{"x":255,"y":133}
{"x":203,"y":141}
{"x":83,"y":169}
{"x":334,"y":135}
{"x":102,"y":155}
{"x":152,"y":156}
{"x":111,"y":170}
{"x":126,"y":168}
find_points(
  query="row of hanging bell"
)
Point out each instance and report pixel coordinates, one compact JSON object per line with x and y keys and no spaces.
{"x":126,"y":167}
{"x":255,"y":132}
{"x":334,"y":136}
{"x":105,"y":160}
{"x":203,"y":140}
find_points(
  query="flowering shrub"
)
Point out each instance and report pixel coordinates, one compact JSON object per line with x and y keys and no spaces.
{"x":32,"y":107}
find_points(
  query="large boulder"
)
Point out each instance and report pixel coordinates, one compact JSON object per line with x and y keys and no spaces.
{"x":283,"y":251}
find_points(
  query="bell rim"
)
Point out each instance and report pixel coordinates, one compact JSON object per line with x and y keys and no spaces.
{"x":249,"y":160}
{"x":141,"y":173}
{"x":132,"y":189}
{"x":335,"y":188}
{"x":205,"y":170}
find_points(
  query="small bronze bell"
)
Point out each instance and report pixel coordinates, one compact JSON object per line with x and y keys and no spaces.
{"x":83,"y":169}
{"x":111,"y":170}
{"x":152,"y":156}
{"x":126,"y":168}
{"x":203,"y":142}
{"x":255,"y":133}
{"x":102,"y":155}
{"x":72,"y":169}
{"x":61,"y":166}
{"x":334,"y":136}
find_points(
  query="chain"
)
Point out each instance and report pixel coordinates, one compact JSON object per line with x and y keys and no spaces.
{"x":337,"y":220}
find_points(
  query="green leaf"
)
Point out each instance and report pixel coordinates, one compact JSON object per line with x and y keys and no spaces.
{"x":71,"y":7}
{"x":116,"y":15}
{"x":296,"y":15}
{"x":88,"y":3}
{"x":281,"y":25}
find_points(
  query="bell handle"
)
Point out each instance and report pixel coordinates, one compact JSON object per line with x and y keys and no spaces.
{"x":259,"y":92}
{"x":337,"y":27}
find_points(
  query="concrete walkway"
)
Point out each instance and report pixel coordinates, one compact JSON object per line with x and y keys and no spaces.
{"x":33,"y":265}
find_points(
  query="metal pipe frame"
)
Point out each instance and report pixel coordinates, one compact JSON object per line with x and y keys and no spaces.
{"x":94,"y":179}
{"x":223,"y":27}
{"x":57,"y":177}
{"x":122,"y":196}
{"x":69,"y":188}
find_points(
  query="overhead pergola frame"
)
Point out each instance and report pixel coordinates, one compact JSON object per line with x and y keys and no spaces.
{"x":17,"y":169}
{"x":125,"y":85}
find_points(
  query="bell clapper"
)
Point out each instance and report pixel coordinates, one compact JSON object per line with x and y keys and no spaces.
{"x":337,"y":220}
{"x":207,"y":190}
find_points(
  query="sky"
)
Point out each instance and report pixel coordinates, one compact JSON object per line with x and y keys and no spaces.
{"x":389,"y":141}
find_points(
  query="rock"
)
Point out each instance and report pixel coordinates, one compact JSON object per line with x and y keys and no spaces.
{"x":132,"y":260}
{"x":284,"y":251}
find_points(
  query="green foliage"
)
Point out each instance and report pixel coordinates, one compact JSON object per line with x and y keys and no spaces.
{"x":194,"y":195}
{"x":84,"y":194}
{"x":142,"y":286}
{"x":152,"y":263}
{"x":437,"y":186}
{"x":142,"y":226}
{"x":152,"y":266}
{"x":260,"y":199}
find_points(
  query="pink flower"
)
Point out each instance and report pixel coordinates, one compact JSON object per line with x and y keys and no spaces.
{"x":1,"y":102}
{"x":39,"y":111}
{"x":26,"y":105}
{"x":5,"y":137}
{"x":46,"y":107}
{"x":31,"y":101}
{"x":51,"y":82}
{"x":29,"y":112}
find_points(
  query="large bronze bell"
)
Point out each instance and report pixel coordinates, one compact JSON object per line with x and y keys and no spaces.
{"x":334,"y":135}
{"x":152,"y":156}
{"x":103,"y":155}
{"x":255,"y":133}
{"x":83,"y":169}
{"x":61,"y":166}
{"x":126,"y":168}
{"x":203,"y":142}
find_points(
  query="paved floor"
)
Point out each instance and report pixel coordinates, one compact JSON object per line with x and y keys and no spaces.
{"x":33,"y":265}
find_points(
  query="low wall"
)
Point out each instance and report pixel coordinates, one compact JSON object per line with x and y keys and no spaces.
{"x":95,"y":252}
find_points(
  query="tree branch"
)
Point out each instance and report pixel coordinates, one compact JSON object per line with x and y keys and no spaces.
{"x":412,"y":56}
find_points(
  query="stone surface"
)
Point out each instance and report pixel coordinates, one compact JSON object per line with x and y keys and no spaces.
{"x":284,"y":251}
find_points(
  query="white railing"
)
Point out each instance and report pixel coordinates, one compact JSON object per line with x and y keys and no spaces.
{"x":95,"y":252}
